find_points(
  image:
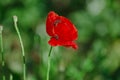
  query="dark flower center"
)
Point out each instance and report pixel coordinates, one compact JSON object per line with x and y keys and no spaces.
{"x":56,"y":37}
{"x":56,"y":22}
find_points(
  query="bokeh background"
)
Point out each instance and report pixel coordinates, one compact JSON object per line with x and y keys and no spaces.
{"x":98,"y":24}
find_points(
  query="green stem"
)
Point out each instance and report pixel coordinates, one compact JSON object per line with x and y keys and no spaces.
{"x":2,"y":53}
{"x":21,"y":43}
{"x":48,"y":66}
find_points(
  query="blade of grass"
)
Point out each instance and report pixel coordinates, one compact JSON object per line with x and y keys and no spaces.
{"x":2,"y":53}
{"x":15,"y":19}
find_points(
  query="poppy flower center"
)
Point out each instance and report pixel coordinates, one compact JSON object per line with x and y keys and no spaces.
{"x":56,"y":37}
{"x":56,"y":22}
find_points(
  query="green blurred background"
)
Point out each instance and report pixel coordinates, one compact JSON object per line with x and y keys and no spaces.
{"x":98,"y":24}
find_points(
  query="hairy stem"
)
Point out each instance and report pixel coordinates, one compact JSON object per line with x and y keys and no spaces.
{"x":48,"y":65}
{"x":21,"y":43}
{"x":2,"y":53}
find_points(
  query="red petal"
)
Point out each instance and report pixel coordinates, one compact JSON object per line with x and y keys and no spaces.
{"x":71,"y":44}
{"x":54,"y":42}
{"x":65,"y":29}
{"x":49,"y":23}
{"x":73,"y":30}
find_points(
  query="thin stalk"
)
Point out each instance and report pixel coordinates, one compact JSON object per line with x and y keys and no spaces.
{"x":21,"y":43}
{"x":2,"y":53}
{"x":48,"y":65}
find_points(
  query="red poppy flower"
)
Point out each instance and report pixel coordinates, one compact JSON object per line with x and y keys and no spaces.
{"x":61,"y":31}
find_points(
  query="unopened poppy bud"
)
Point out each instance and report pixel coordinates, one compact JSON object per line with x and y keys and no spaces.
{"x":15,"y":18}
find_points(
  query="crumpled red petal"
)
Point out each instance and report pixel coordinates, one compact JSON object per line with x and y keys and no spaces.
{"x":49,"y":23}
{"x":54,"y":42}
